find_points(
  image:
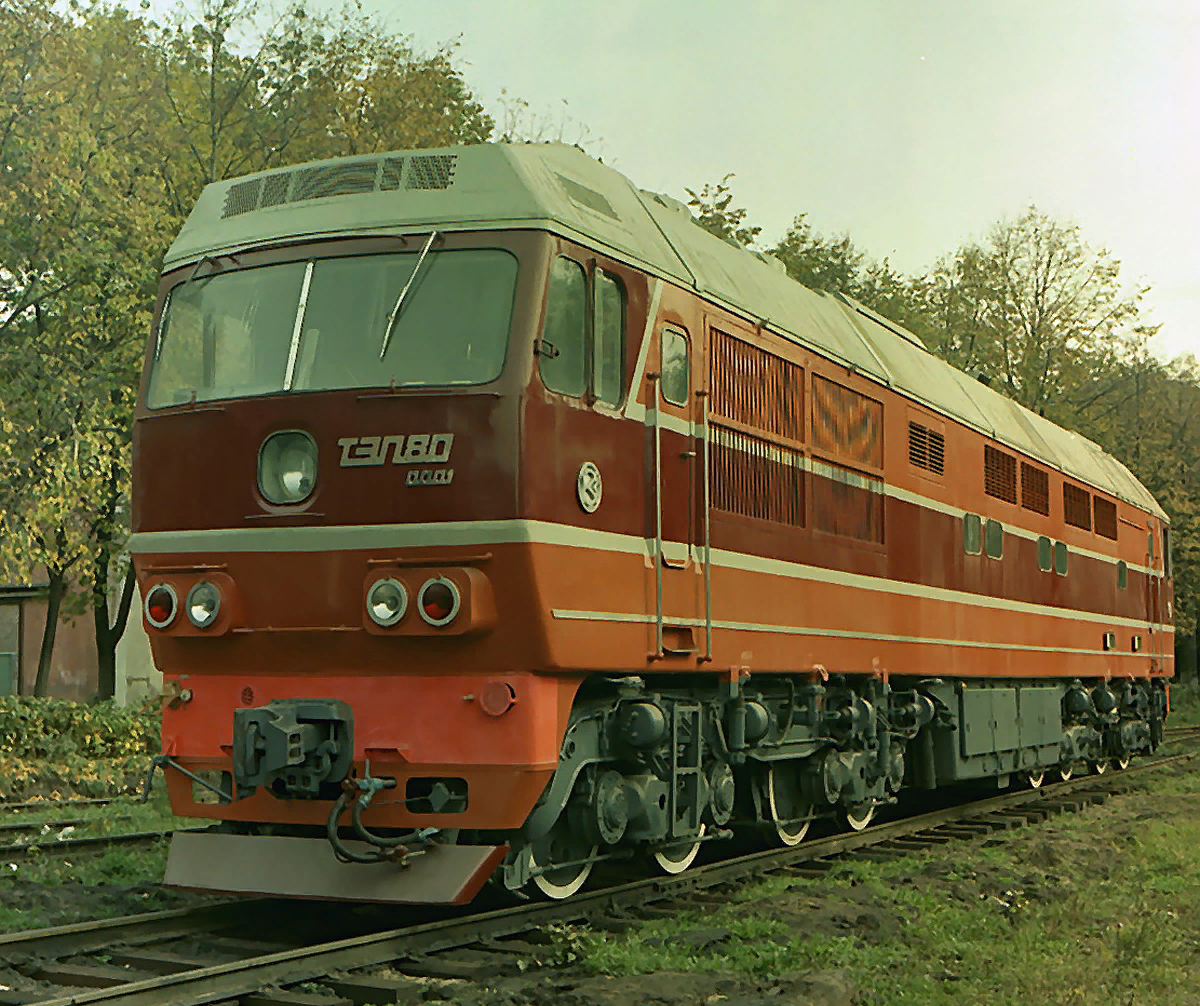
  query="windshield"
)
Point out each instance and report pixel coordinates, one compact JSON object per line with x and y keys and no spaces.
{"x":308,"y":326}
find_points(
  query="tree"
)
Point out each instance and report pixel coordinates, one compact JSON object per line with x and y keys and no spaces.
{"x":81,"y":236}
{"x":714,"y":211}
{"x":242,"y":98}
{"x":1039,"y":312}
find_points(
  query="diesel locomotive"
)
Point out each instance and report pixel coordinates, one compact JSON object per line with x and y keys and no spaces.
{"x":493,"y":519}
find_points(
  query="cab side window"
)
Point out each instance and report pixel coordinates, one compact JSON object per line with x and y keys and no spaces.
{"x":674,"y":367}
{"x":564,"y":358}
{"x":608,"y":366}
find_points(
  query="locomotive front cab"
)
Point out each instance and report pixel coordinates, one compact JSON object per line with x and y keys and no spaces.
{"x":328,"y":544}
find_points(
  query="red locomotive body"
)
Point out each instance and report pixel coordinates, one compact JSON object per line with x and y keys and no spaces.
{"x":491,"y":517}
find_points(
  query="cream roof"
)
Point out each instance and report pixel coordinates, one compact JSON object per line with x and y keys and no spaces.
{"x":558,"y":188}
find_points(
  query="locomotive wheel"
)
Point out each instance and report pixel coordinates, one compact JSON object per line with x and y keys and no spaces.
{"x":1099,"y":767}
{"x":678,"y":858}
{"x":560,"y":846}
{"x":1065,"y":771}
{"x":859,"y":816}
{"x":1035,"y":779}
{"x":1120,"y":764}
{"x":791,"y":814}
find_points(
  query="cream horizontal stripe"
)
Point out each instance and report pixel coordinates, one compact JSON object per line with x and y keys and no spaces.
{"x":506,"y":532}
{"x":801,"y":630}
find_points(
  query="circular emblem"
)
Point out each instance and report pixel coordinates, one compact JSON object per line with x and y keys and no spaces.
{"x":589,"y":487}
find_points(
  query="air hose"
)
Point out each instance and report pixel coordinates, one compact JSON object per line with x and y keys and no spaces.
{"x":395,"y":849}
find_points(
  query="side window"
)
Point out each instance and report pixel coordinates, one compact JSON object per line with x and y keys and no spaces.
{"x":972,"y":534}
{"x":1122,"y":574}
{"x":1045,"y":554}
{"x":994,"y":539}
{"x":608,"y":351}
{"x":1060,"y":558}
{"x":674,"y":367}
{"x":564,"y":362}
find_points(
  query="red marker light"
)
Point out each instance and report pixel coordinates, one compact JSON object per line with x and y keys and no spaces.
{"x":439,"y":601}
{"x":160,"y":606}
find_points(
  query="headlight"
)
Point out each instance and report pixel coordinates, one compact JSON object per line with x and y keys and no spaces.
{"x":439,"y":601}
{"x":160,"y":606}
{"x":387,"y":601}
{"x":287,"y":467}
{"x":203,"y":604}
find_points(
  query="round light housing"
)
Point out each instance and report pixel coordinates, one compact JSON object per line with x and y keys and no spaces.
{"x":287,"y":467}
{"x":387,"y":601}
{"x":439,"y":601}
{"x":203,"y":604}
{"x":161,"y":605}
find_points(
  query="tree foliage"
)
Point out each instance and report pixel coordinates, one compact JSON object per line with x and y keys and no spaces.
{"x":111,"y":125}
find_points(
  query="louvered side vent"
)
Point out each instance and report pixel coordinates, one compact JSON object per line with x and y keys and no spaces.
{"x":335,"y":180}
{"x":1104,"y":513}
{"x":1077,"y":506}
{"x":390,"y":173}
{"x":752,"y":477}
{"x":846,"y":502}
{"x":585,"y":196}
{"x":275,"y":189}
{"x":926,"y":448}
{"x":846,"y":423}
{"x":242,"y":197}
{"x":999,"y":474}
{"x":755,"y":388}
{"x":1035,"y":489}
{"x":430,"y":171}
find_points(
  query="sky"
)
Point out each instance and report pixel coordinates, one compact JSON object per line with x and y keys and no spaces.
{"x":911,"y":125}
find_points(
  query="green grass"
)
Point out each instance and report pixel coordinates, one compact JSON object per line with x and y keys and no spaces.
{"x":1098,"y":907}
{"x":1185,"y":704}
{"x":38,"y":890}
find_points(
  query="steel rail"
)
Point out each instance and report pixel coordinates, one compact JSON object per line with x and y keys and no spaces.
{"x":67,"y":846}
{"x":128,"y":930}
{"x":227,"y":981}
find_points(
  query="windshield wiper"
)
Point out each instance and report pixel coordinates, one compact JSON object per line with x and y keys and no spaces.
{"x":387,"y":332}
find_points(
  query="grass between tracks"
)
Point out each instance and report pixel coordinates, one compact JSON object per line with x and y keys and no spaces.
{"x":1100,"y":906}
{"x":42,"y":889}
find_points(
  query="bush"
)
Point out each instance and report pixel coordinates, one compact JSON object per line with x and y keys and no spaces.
{"x":54,"y":728}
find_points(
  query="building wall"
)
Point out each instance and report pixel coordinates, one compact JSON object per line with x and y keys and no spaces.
{"x":137,"y":677}
{"x":73,"y":673}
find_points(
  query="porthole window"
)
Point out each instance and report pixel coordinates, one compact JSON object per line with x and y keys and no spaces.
{"x":994,"y":539}
{"x":1045,"y":554}
{"x":1122,"y":574}
{"x":972,"y":534}
{"x":1060,"y":558}
{"x":674,"y":367}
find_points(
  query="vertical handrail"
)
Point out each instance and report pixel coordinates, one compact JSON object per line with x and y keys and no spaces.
{"x":658,"y":532}
{"x":708,"y":619}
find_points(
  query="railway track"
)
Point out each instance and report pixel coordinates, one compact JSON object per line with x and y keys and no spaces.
{"x":205,"y":955}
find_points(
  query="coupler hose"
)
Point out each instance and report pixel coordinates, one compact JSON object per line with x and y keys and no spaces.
{"x":387,"y":849}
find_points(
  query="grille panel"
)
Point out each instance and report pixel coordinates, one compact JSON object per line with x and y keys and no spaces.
{"x":846,"y":423}
{"x":1077,"y":507}
{"x":755,"y":388}
{"x":430,"y":171}
{"x":846,"y":502}
{"x":1035,"y":489}
{"x":1104,"y":513}
{"x":242,"y":198}
{"x":755,"y":478}
{"x":999,"y":474}
{"x":926,"y":448}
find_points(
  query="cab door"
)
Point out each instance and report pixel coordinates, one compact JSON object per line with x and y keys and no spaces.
{"x":676,"y":474}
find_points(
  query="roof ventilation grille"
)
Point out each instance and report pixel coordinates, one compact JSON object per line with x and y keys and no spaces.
{"x":242,"y":198}
{"x":430,"y":171}
{"x":390,"y":172}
